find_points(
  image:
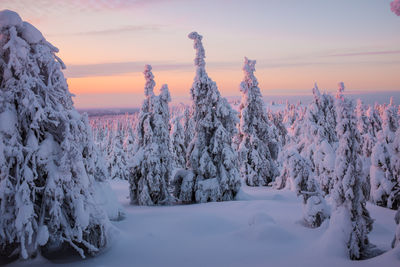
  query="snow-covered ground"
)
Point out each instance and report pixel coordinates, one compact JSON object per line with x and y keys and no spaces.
{"x":263,"y":228}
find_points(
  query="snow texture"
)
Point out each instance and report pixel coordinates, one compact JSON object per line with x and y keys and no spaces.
{"x":267,"y":232}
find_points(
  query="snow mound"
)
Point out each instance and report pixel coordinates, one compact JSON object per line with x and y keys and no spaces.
{"x":9,"y":18}
{"x":31,"y":34}
{"x":107,"y":199}
{"x":261,"y":218}
{"x":333,"y":241}
{"x":8,"y":122}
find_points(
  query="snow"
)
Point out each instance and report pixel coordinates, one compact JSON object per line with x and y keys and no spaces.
{"x":8,"y":122}
{"x":31,"y":34}
{"x":107,"y":199}
{"x":263,"y":228}
{"x":9,"y":18}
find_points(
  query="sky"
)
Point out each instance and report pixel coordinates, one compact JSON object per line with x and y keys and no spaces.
{"x":106,"y":43}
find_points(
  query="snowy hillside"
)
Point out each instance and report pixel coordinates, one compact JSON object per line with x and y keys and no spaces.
{"x":262,"y":228}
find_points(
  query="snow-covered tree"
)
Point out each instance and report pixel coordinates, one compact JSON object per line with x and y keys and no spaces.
{"x":349,"y":198}
{"x":151,"y":166}
{"x":276,"y":119}
{"x":47,"y":157}
{"x":367,"y":142}
{"x":298,"y":176}
{"x":129,"y":148}
{"x":178,"y":143}
{"x":257,"y":166}
{"x":384,"y":172}
{"x":375,"y":121}
{"x":395,"y":7}
{"x":314,"y":137}
{"x":210,"y":153}
{"x":117,"y":163}
{"x":188,"y":126}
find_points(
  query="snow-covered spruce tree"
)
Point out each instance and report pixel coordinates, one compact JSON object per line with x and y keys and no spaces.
{"x":375,"y":121}
{"x":117,"y":163}
{"x":367,"y":143}
{"x":150,"y":167}
{"x":188,"y":126}
{"x":129,"y":148}
{"x":47,"y":164}
{"x":314,"y":137}
{"x":257,"y":166}
{"x":178,"y":143}
{"x":210,"y":153}
{"x":384,"y":172}
{"x":276,"y":119}
{"x":300,"y":178}
{"x":349,"y":198}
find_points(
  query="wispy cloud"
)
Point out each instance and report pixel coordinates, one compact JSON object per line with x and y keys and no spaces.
{"x":118,"y":30}
{"x":114,"y":4}
{"x":367,"y":53}
{"x":111,"y":69}
{"x":120,"y":68}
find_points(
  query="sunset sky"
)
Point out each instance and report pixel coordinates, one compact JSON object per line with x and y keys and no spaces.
{"x":106,"y":43}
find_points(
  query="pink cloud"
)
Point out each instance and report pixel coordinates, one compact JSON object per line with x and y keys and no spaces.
{"x":395,"y":7}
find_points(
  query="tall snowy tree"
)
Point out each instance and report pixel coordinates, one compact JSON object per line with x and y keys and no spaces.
{"x":150,"y":167}
{"x":315,"y":138}
{"x":210,"y":153}
{"x":367,"y":143}
{"x":257,"y":166}
{"x":385,"y":184}
{"x":47,"y":157}
{"x":349,"y":198}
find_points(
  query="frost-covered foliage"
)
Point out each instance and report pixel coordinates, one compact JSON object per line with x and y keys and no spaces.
{"x":117,"y":161}
{"x":178,"y":143}
{"x":188,"y":127}
{"x":349,"y":198}
{"x":150,"y":168}
{"x":210,"y":153}
{"x":384,"y":172}
{"x":375,"y":121}
{"x":367,"y":143}
{"x":395,"y":7}
{"x":257,"y":166}
{"x":112,"y":131}
{"x":48,"y":162}
{"x":183,"y":184}
{"x":314,"y":137}
{"x":298,"y":177}
{"x":279,"y":132}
